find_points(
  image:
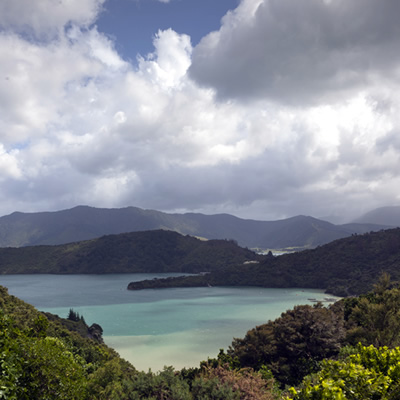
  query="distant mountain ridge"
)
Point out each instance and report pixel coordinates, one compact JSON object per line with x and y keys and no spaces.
{"x":383,"y":216}
{"x":84,"y":223}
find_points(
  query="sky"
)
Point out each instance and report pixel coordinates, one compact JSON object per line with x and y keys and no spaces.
{"x":263,"y":109}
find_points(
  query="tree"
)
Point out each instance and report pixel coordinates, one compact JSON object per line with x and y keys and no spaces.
{"x":73,"y":316}
{"x":292,"y":345}
{"x":369,"y":373}
{"x":375,"y":318}
{"x":33,"y":366}
{"x":223,"y":383}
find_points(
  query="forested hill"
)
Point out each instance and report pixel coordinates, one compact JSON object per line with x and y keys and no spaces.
{"x":150,"y":251}
{"x":344,"y":267}
{"x":84,"y":223}
{"x":47,"y":357}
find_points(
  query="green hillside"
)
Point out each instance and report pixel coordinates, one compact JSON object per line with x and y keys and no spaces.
{"x":344,"y":267}
{"x":43,"y":356}
{"x":348,"y":350}
{"x":150,"y":251}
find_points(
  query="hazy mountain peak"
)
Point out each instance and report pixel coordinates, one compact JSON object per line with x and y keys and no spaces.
{"x":389,"y":215}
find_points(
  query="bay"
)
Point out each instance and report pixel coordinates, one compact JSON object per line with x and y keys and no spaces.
{"x":154,"y":328}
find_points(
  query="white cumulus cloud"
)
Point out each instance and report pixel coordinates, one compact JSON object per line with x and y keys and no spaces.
{"x":289,"y":108}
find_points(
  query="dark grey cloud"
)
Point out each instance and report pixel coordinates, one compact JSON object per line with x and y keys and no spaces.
{"x":390,"y":141}
{"x":266,"y":186}
{"x":300,"y":51}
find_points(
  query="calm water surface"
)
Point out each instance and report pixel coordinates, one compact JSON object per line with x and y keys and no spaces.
{"x":153,"y":328}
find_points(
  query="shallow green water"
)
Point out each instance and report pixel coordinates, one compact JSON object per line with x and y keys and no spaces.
{"x":153,"y":328}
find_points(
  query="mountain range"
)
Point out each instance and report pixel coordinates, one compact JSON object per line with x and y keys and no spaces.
{"x":83,"y":223}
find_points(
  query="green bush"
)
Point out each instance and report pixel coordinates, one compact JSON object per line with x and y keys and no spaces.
{"x":370,"y":373}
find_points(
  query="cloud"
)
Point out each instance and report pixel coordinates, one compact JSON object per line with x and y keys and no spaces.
{"x":170,"y":60}
{"x":45,"y":18}
{"x":208,"y":128}
{"x":302,"y":52}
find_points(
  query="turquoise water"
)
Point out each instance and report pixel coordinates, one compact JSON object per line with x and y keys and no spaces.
{"x":153,"y":328}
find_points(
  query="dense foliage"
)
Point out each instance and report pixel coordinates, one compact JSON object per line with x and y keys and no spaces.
{"x":344,"y":267}
{"x":292,"y":345}
{"x":150,"y":251}
{"x":46,"y":357}
{"x":296,"y":344}
{"x":369,"y":373}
